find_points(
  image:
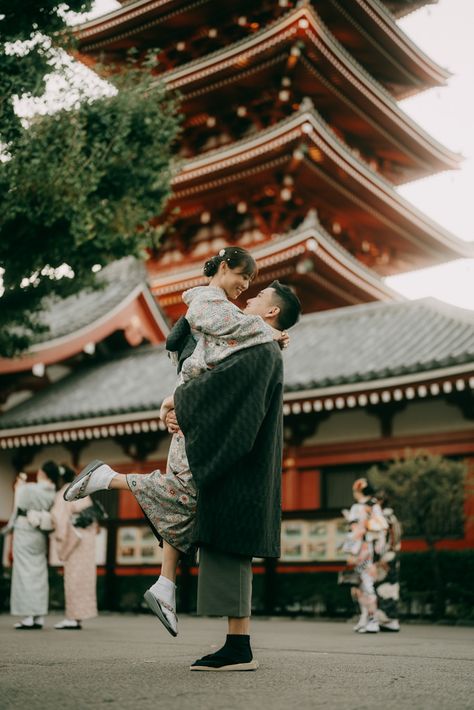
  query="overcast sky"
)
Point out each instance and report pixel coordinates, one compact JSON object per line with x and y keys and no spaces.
{"x":444,"y":32}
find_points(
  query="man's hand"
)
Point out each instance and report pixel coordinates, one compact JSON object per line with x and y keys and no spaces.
{"x":166,"y":406}
{"x":172,"y":423}
{"x":282,"y":338}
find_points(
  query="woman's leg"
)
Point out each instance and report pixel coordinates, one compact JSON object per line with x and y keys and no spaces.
{"x":170,"y":561}
{"x":119,"y":481}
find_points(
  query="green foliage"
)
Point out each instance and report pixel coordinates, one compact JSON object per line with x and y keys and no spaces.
{"x":427,"y":493}
{"x":31,"y":22}
{"x":80,"y":186}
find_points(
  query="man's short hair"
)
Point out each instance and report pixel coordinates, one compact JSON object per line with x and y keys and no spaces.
{"x":288,"y":303}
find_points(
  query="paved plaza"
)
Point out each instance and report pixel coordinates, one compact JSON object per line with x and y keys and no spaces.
{"x":126,"y":661}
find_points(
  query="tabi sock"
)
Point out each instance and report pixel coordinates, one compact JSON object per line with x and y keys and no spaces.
{"x":27,"y":621}
{"x":165,"y":589}
{"x":235,"y":650}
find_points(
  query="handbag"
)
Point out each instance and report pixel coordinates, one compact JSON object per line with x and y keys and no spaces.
{"x":348,"y":576}
{"x":94,"y":513}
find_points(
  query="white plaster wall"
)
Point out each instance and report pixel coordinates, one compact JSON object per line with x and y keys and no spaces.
{"x":430,"y":417}
{"x":7,"y":478}
{"x":346,"y":426}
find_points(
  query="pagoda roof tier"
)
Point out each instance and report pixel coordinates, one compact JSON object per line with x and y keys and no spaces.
{"x":361,"y":356}
{"x":400,"y":8}
{"x":75,"y":323}
{"x":323,"y":272}
{"x":299,"y":55}
{"x":374,"y":222}
{"x":368,"y":31}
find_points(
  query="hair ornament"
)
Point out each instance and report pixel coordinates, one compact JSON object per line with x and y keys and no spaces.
{"x":222,"y":252}
{"x":62,"y":470}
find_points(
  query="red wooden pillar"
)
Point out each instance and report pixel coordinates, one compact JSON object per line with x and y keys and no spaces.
{"x":290,"y":489}
{"x":469,"y":503}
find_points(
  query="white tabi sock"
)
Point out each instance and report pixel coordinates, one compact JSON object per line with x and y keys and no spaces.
{"x":28,"y":621}
{"x":38,"y":620}
{"x":165,"y":589}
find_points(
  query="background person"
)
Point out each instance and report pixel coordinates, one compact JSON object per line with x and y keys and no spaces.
{"x":75,"y":531}
{"x":30,"y":589}
{"x":364,"y":545}
{"x":387,"y":586}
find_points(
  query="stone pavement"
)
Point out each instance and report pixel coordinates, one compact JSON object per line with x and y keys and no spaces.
{"x":130,"y":662}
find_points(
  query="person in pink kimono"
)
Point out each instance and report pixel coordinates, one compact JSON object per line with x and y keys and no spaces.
{"x":219,"y":328}
{"x":74,"y":535}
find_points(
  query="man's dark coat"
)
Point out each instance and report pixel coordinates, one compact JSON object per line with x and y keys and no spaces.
{"x":232,"y":420}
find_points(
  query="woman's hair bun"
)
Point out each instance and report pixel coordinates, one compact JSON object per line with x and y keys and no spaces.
{"x":211,"y":266}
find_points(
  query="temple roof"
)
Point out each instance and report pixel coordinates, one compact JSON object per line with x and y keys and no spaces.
{"x":369,"y":31}
{"x":325,"y":274}
{"x":327,"y":176}
{"x":123,"y":303}
{"x":348,"y":357}
{"x":378,"y":341}
{"x":400,"y":8}
{"x":353,"y":100}
{"x":151,"y":23}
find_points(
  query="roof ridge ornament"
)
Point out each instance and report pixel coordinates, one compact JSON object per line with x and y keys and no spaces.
{"x":311,"y":220}
{"x":306,"y":104}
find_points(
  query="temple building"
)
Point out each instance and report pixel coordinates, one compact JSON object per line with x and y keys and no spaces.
{"x":293,"y":146}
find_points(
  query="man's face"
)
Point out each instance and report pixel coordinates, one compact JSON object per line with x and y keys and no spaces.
{"x":262,"y":304}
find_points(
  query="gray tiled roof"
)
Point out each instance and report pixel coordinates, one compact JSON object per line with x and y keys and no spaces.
{"x":68,"y":315}
{"x":355,"y":344}
{"x":377,"y":340}
{"x":137,"y":381}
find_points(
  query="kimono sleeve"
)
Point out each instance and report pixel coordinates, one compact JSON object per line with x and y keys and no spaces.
{"x":213,"y":314}
{"x":220,"y":413}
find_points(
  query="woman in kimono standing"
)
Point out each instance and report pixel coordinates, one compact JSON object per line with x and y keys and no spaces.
{"x":32,"y":523}
{"x":75,"y":547}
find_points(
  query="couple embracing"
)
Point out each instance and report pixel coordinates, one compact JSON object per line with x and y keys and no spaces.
{"x":221,"y":491}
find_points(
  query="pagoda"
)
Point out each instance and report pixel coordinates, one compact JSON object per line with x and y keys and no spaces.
{"x":293,"y":146}
{"x":290,"y":117}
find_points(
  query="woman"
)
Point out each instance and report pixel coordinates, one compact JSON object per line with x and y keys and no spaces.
{"x":75,"y":535}
{"x":169,"y":500}
{"x":364,"y":545}
{"x":32,"y":523}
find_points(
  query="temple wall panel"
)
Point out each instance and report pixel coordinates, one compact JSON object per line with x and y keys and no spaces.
{"x":430,"y":417}
{"x":345,"y":426}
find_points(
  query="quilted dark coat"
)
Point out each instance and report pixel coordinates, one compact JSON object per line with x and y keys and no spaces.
{"x":232,"y":420}
{"x":181,"y":341}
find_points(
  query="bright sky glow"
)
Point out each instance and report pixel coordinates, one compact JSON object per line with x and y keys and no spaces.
{"x":444,"y":32}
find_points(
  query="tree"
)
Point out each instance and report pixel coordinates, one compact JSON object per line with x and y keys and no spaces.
{"x":427,"y":493}
{"x":79,"y":186}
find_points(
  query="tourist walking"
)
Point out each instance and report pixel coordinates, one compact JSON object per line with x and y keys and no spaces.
{"x":75,"y":532}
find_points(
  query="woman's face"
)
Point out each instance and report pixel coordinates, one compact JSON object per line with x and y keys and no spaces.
{"x":233,"y":281}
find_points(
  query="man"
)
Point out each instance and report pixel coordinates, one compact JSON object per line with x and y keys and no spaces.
{"x":231,"y":417}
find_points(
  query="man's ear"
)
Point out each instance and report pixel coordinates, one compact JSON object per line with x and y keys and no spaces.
{"x":273,"y":312}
